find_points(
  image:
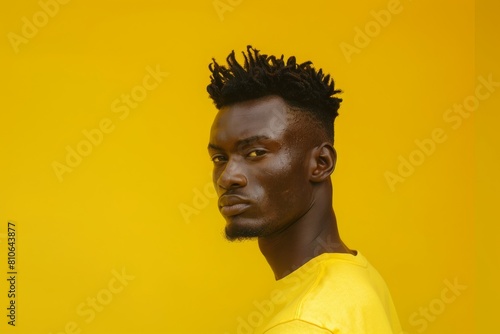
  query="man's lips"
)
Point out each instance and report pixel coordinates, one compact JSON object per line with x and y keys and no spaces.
{"x":232,"y":205}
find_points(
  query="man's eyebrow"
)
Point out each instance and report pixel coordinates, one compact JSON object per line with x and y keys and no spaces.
{"x":250,"y":140}
{"x":214,"y":147}
{"x":241,"y":142}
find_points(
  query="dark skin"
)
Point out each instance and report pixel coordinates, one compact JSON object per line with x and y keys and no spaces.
{"x":272,"y":176}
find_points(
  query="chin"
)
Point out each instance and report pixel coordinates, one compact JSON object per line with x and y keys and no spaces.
{"x":238,"y":230}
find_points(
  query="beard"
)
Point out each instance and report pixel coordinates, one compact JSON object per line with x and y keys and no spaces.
{"x":239,"y":232}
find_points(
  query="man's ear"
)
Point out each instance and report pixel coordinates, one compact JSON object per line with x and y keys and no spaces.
{"x":322,"y":162}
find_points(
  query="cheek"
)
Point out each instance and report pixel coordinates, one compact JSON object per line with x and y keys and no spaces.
{"x":284,"y":188}
{"x":214,"y":182}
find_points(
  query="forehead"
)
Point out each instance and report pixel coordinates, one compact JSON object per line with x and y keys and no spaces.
{"x":268,"y":116}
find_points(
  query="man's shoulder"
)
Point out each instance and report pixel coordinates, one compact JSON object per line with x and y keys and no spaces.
{"x":334,"y":289}
{"x":337,"y":281}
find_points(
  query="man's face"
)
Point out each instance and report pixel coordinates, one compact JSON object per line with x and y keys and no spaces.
{"x":260,"y":171}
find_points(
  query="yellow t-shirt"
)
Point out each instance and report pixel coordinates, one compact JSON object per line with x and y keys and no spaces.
{"x":333,"y":293}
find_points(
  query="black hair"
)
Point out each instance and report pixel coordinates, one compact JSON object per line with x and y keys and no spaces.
{"x":300,"y":85}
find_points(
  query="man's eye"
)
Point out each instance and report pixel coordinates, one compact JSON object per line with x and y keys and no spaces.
{"x":218,"y":158}
{"x":256,"y":153}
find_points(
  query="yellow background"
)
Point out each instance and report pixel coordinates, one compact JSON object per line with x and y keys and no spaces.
{"x":120,"y":208}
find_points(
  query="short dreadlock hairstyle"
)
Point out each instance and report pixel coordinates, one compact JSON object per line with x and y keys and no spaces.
{"x":301,"y":86}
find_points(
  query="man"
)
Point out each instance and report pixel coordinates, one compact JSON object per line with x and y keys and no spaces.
{"x":271,"y":144}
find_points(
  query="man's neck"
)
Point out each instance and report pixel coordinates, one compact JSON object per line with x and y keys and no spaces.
{"x":313,"y":234}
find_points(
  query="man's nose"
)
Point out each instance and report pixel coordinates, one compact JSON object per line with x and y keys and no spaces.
{"x":232,"y":176}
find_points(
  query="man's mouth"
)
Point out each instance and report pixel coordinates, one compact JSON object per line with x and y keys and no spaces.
{"x":232,"y":205}
{"x":233,"y":210}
